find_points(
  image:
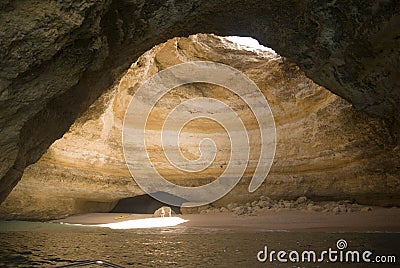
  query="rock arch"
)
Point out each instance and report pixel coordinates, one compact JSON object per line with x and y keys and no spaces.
{"x":56,"y":58}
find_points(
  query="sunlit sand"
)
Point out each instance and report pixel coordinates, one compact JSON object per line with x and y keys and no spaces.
{"x":142,"y":223}
{"x":292,"y":220}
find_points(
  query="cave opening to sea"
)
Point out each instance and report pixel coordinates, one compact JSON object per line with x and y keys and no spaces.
{"x":81,"y":187}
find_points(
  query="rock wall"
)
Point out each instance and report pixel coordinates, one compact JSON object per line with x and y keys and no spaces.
{"x":57,"y":57}
{"x":326,"y":149}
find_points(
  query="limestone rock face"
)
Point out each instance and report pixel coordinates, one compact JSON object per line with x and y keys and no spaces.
{"x":57,"y":57}
{"x":163,"y":212}
{"x":326,"y":149}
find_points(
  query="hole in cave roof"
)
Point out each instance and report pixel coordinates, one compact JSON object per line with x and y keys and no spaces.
{"x":248,"y":43}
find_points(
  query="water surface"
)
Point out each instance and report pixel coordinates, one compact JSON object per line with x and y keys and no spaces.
{"x":30,"y":244}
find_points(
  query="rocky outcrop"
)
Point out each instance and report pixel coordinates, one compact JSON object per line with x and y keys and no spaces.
{"x":57,"y":57}
{"x":326,"y":149}
{"x":163,"y":212}
{"x":266,"y":205}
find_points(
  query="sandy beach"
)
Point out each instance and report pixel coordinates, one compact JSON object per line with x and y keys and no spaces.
{"x":377,"y":220}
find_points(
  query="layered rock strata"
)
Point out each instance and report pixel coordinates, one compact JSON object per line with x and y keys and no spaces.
{"x":326,"y":149}
{"x":58,"y":57}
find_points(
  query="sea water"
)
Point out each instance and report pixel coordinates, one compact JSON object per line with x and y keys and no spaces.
{"x":34,"y":244}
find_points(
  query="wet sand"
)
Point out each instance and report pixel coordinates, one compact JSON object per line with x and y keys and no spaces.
{"x":377,"y":220}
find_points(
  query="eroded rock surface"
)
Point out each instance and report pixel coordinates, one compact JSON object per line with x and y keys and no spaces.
{"x":265,"y":205}
{"x":325,"y":148}
{"x":57,"y":57}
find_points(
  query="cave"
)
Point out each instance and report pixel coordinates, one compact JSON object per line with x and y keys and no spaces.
{"x":49,"y":78}
{"x":140,"y":204}
{"x":329,"y":71}
{"x":325,"y":148}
